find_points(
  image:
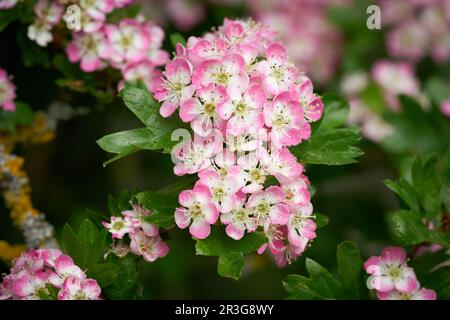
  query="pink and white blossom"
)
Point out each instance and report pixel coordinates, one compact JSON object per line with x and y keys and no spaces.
{"x":389,"y":272}
{"x":37,"y":274}
{"x":7,"y":92}
{"x":198,"y":210}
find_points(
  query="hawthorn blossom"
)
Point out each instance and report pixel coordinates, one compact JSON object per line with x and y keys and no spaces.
{"x":279,"y":75}
{"x":301,"y":227}
{"x":126,"y":42}
{"x":268,"y":206}
{"x":228,"y":72}
{"x":222,"y":188}
{"x":198,"y":208}
{"x":422,"y":294}
{"x":77,"y":289}
{"x":48,"y":14}
{"x":175,"y":88}
{"x":243,"y":111}
{"x":150,"y":248}
{"x":85,"y":47}
{"x":38,"y":274}
{"x":239,"y":219}
{"x":119,"y":226}
{"x":201,"y":112}
{"x":445,"y":107}
{"x":389,"y":272}
{"x":143,"y":238}
{"x":285,"y":117}
{"x":143,"y":71}
{"x":395,"y":79}
{"x":245,"y":102}
{"x":7,"y":92}
{"x":8,"y":4}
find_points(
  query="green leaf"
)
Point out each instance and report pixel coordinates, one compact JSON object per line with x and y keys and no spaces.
{"x":321,"y":220}
{"x":230,"y":252}
{"x":416,"y":130}
{"x":408,"y":227}
{"x":335,"y":114}
{"x":162,"y":206}
{"x":321,"y":284}
{"x":32,"y":53}
{"x":176,"y":38}
{"x":427,"y":185}
{"x":335,"y":147}
{"x":350,"y":266}
{"x":8,"y":16}
{"x":125,"y":143}
{"x":330,"y":143}
{"x":156,"y":136}
{"x":121,"y":203}
{"x":406,"y":192}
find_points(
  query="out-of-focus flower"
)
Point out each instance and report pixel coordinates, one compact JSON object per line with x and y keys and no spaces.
{"x":7,"y":91}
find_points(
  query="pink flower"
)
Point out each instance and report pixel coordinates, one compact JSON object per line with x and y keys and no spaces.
{"x":422,"y":294}
{"x":198,"y":208}
{"x":86,"y":47}
{"x":296,"y":192}
{"x":445,"y":107}
{"x":7,"y":4}
{"x":97,"y":9}
{"x":119,"y":226}
{"x":409,"y":40}
{"x":301,"y":227}
{"x":137,"y":218}
{"x":49,"y":11}
{"x":7,"y":92}
{"x":175,"y":88}
{"x":141,"y":71}
{"x":184,"y":13}
{"x":390,"y":272}
{"x":201,"y":112}
{"x":395,"y":78}
{"x":282,"y":164}
{"x":228,"y":72}
{"x":36,"y":272}
{"x":222,"y":188}
{"x":312,"y":104}
{"x":285,"y":117}
{"x":267,"y":206}
{"x":30,"y":287}
{"x":77,"y":289}
{"x":127,"y":42}
{"x":149,"y":247}
{"x":254,"y":175}
{"x":278,"y":74}
{"x":243,"y":111}
{"x":65,"y":267}
{"x":194,"y":156}
{"x":239,"y":219}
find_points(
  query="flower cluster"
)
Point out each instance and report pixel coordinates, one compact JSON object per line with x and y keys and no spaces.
{"x":393,"y":79}
{"x":8,"y":4}
{"x":7,"y":92}
{"x":132,"y":46}
{"x":47,"y":274}
{"x":417,"y":29}
{"x":313,"y":43}
{"x":145,"y":238}
{"x":246,"y":103}
{"x":392,"y":279}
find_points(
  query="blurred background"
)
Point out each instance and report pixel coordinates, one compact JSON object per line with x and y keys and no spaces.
{"x":330,"y":41}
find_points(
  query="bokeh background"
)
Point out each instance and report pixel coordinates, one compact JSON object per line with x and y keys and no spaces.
{"x":68,"y":179}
